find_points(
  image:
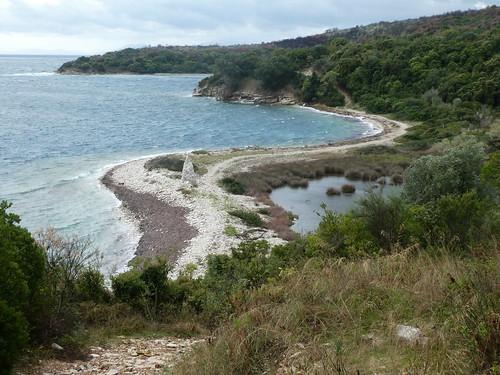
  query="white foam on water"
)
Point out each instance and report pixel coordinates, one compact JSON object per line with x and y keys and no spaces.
{"x":373,"y":128}
{"x":37,"y":74}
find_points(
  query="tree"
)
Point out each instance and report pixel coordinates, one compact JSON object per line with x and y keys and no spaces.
{"x":310,"y":88}
{"x":22,"y":274}
{"x":68,"y":258}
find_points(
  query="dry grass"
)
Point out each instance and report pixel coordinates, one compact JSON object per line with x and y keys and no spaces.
{"x":338,"y":317}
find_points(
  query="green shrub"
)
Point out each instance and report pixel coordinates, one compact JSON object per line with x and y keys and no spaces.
{"x":230,"y":231}
{"x":22,"y":285}
{"x":455,"y":172}
{"x":13,"y":336}
{"x":229,"y":276}
{"x":149,"y":290}
{"x":90,"y":287}
{"x":128,"y":287}
{"x":340,"y":236}
{"x":232,"y":186}
{"x":384,"y":218}
{"x":454,"y":221}
{"x":250,"y":218}
{"x":490,"y":172}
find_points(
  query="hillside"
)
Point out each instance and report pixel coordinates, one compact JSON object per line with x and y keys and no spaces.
{"x":203,"y":59}
{"x":403,"y":284}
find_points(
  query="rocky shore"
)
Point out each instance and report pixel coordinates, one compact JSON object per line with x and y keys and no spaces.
{"x":186,"y":223}
{"x":248,"y":95}
{"x":177,"y":220}
{"x":165,"y":231}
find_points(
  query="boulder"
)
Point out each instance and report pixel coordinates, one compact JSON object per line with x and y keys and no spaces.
{"x":412,"y":335}
{"x":56,"y":346}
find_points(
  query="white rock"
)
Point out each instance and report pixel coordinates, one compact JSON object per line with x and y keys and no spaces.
{"x":56,"y":346}
{"x":408,"y":333}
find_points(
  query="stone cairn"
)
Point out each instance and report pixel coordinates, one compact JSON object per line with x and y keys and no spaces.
{"x":189,"y":176}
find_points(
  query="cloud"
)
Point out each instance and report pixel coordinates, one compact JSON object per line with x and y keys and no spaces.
{"x":91,"y":26}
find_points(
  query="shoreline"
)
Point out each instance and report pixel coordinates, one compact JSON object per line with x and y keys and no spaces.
{"x":185,"y":224}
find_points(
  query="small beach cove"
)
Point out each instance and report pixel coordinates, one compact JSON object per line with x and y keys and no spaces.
{"x":59,"y":134}
{"x":203,"y":210}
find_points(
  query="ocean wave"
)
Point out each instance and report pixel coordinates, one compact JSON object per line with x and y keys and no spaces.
{"x":38,"y":74}
{"x":373,"y":129}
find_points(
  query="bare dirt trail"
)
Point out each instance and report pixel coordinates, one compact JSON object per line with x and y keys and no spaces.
{"x":127,"y":356}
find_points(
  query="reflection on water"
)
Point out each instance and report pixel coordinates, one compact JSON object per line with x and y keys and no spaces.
{"x":306,"y":202}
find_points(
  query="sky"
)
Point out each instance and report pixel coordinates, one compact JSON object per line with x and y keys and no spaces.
{"x":85,"y":27}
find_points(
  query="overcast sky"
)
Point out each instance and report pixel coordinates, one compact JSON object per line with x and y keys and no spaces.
{"x":96,"y":26}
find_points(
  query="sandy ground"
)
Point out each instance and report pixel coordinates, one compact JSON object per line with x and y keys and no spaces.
{"x":188,"y":223}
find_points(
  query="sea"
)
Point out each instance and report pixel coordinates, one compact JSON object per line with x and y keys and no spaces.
{"x":60,"y":133}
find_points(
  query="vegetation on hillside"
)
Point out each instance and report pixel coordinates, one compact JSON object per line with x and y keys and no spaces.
{"x":329,"y":301}
{"x":326,"y":301}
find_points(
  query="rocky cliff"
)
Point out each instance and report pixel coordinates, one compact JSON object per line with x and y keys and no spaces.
{"x":248,"y":92}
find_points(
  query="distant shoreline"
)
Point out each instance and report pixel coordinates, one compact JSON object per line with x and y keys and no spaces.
{"x":186,"y":228}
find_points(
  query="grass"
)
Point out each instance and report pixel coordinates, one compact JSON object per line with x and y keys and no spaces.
{"x":366,"y":164}
{"x":230,"y":231}
{"x":250,"y":218}
{"x":339,"y":317}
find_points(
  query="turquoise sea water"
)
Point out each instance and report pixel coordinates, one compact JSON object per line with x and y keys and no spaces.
{"x":59,"y":134}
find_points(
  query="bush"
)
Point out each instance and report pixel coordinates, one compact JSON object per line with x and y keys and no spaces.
{"x":68,"y":259}
{"x":384,"y":218}
{"x":397,"y":179}
{"x":339,"y":236}
{"x":353,"y":175}
{"x":250,"y":218}
{"x":230,"y":231}
{"x":455,"y":172}
{"x":13,"y":336}
{"x":490,"y":172}
{"x":90,"y":287}
{"x":452,"y":220}
{"x":232,"y":186}
{"x":227,"y":277}
{"x":128,"y":287}
{"x":149,"y":289}
{"x":22,"y":286}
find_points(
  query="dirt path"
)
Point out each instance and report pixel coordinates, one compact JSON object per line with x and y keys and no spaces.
{"x":126,"y":356}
